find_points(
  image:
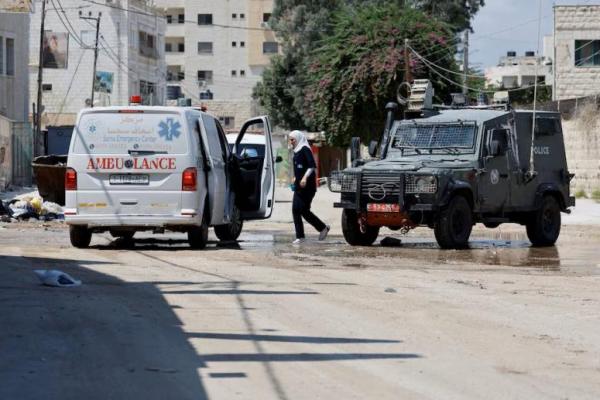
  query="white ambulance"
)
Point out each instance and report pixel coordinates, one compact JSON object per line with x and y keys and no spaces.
{"x":164,"y":168}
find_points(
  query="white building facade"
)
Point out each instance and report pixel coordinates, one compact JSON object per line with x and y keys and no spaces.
{"x":14,"y":53}
{"x":130,"y":57}
{"x":216,"y":52}
{"x":514,"y":71}
{"x":15,"y":134}
{"x":577,"y":51}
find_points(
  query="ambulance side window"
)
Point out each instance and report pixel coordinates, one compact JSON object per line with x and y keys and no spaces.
{"x":223,"y":141}
{"x":212,"y":135}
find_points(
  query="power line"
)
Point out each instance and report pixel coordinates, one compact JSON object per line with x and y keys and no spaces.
{"x":65,"y":25}
{"x":444,"y":69}
{"x":434,"y":70}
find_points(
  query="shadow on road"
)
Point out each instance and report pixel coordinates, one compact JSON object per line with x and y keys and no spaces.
{"x":105,"y":339}
{"x":115,"y":339}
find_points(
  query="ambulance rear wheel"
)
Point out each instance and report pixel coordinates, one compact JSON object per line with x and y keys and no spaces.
{"x":198,"y":235}
{"x":232,"y":230}
{"x":353,"y":233}
{"x":80,"y":236}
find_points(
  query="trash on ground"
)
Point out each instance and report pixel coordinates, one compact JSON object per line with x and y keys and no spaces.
{"x":390,"y":242}
{"x":54,"y":277}
{"x":31,"y":205}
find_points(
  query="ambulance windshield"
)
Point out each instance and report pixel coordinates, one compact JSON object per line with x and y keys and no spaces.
{"x":126,"y":133}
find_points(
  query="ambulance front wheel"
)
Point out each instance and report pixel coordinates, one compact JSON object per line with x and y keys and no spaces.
{"x":232,"y":230}
{"x":80,"y":236}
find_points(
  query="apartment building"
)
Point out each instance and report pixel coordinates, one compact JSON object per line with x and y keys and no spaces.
{"x":577,"y":51}
{"x":515,"y":70}
{"x":216,"y":52}
{"x":130,"y":58}
{"x":15,"y":134}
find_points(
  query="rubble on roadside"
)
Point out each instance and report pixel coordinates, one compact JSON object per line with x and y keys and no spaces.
{"x":30,"y":206}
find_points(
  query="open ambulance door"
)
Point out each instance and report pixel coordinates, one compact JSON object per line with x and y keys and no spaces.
{"x":254,"y":174}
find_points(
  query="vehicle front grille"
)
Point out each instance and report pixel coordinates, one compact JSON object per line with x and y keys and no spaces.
{"x":381,"y":186}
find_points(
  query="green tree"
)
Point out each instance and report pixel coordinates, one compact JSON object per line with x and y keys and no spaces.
{"x":302,"y":25}
{"x":358,"y":68}
{"x":457,"y":13}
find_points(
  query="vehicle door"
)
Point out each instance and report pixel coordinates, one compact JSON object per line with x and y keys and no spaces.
{"x":129,"y":163}
{"x":254,"y":174}
{"x":494,"y":181}
{"x":217,"y":174}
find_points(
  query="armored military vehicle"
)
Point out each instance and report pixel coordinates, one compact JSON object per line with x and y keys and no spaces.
{"x":454,"y":168}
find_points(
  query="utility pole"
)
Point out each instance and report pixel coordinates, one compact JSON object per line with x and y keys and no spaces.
{"x":37,"y":147}
{"x":408,"y":75}
{"x":97,"y":19}
{"x":466,"y":62}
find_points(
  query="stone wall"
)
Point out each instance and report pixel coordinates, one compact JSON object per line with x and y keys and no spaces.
{"x":582,"y":142}
{"x":575,"y":23}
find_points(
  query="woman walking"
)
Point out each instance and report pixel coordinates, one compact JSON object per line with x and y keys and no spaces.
{"x":305,"y":187}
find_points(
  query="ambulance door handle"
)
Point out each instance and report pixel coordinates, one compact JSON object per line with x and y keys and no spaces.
{"x":128,"y":202}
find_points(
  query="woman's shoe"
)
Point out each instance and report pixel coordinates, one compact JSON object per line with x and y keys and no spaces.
{"x":324,"y":232}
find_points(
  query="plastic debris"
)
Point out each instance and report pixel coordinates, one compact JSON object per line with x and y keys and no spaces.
{"x":31,"y":205}
{"x":56,"y":278}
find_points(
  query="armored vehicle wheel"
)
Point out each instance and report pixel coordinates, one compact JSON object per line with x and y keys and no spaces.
{"x":232,"y":230}
{"x":198,"y":235}
{"x":80,"y":236}
{"x":352,"y":232}
{"x":544,"y":227}
{"x":454,"y":224}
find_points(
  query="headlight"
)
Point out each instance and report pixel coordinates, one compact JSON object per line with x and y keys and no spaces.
{"x":421,"y":184}
{"x":341,"y":182}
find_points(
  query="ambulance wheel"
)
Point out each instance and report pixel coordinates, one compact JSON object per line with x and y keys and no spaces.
{"x":544,"y":227}
{"x":198,"y":235}
{"x":80,"y":236}
{"x":232,"y":230}
{"x":454,"y":224}
{"x":352,"y":230}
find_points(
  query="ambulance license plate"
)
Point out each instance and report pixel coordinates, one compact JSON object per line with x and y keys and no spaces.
{"x":387,"y":208}
{"x":129,"y":179}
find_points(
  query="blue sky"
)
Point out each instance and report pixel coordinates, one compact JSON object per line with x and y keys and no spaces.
{"x":504,"y":25}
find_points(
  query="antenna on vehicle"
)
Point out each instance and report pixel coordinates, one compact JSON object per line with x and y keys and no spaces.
{"x":531,"y":173}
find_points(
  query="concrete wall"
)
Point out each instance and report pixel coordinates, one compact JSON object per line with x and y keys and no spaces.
{"x":575,"y":23}
{"x":14,"y":99}
{"x":582,"y":141}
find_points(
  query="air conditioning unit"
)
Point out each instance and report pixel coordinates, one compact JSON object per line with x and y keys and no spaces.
{"x":265,"y":25}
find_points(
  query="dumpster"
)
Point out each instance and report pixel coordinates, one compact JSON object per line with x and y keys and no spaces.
{"x":49,"y":173}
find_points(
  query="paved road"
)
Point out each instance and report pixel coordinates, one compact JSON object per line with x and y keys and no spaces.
{"x":261,"y":319}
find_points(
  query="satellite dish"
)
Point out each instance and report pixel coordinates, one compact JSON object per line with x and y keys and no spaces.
{"x":403,"y":93}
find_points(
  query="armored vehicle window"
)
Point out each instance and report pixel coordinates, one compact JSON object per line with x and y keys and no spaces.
{"x":434,"y":136}
{"x":499,"y":142}
{"x":546,"y":126}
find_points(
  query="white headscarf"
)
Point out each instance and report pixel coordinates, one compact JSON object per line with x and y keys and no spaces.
{"x":300,"y":140}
